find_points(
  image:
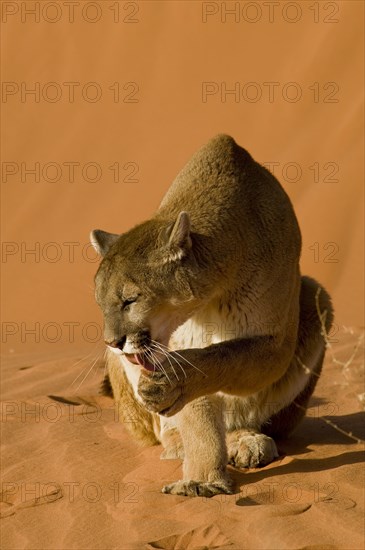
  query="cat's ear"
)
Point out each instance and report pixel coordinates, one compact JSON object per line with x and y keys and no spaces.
{"x":178,"y":237}
{"x":102,"y":241}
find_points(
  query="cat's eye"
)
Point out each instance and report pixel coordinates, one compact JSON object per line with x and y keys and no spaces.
{"x":126,"y":303}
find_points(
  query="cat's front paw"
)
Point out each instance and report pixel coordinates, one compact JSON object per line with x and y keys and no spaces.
{"x":177,"y":381}
{"x":190,"y":488}
{"x":160,"y":393}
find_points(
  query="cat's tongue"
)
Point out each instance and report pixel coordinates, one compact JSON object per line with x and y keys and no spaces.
{"x":140,"y":359}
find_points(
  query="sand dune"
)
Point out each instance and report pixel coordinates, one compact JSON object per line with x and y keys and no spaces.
{"x":74,"y":478}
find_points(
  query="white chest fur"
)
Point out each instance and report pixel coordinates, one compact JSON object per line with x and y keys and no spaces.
{"x":210,"y":326}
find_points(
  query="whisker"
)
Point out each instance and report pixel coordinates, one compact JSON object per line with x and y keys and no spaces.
{"x":150,"y":353}
{"x":158,"y":348}
{"x":105,"y":361}
{"x":160,"y":365}
{"x":168,"y":354}
{"x":80,"y":373}
{"x":88,"y":372}
{"x":182,"y":357}
{"x":149,"y":356}
{"x":85,"y":357}
{"x":155,"y":359}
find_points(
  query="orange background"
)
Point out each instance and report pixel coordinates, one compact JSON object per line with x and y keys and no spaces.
{"x":169,"y":52}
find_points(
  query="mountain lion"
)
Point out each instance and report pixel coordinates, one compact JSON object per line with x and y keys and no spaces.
{"x":215,"y":341}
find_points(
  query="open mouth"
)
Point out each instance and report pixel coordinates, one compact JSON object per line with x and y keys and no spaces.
{"x":141,"y":359}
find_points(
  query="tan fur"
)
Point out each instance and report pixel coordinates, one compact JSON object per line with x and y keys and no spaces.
{"x":141,"y":423}
{"x":215,"y":276}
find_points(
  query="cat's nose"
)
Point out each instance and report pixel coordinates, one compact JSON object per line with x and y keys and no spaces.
{"x":117,"y":343}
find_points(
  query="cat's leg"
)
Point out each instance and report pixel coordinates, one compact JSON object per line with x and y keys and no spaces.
{"x":252,"y":448}
{"x":203,"y":433}
{"x":276,"y":412}
{"x":171,"y":439}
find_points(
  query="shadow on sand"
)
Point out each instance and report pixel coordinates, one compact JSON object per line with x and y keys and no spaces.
{"x":313,"y":431}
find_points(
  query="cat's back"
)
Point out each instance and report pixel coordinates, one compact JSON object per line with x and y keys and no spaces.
{"x":222,"y":184}
{"x":211,"y":176}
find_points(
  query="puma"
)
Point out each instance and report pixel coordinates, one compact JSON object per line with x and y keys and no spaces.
{"x":215,"y":340}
